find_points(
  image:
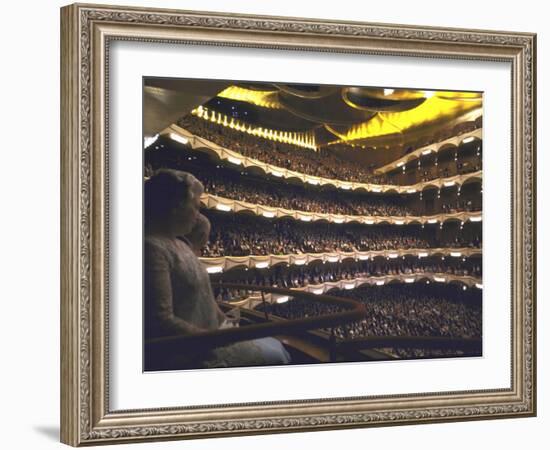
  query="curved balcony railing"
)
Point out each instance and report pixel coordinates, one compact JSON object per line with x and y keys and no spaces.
{"x":353,"y":311}
{"x":226,"y":204}
{"x":224,"y":263}
{"x":435,"y":277}
{"x":322,"y":288}
{"x":454,"y":141}
{"x":183,"y":136}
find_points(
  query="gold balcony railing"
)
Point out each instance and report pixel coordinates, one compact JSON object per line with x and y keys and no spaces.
{"x":197,"y":143}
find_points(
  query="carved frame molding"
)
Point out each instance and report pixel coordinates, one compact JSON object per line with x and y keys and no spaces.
{"x":86,"y":31}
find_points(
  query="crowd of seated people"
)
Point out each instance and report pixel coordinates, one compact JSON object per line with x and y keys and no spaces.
{"x":400,"y":309}
{"x":296,"y":198}
{"x":240,"y":185}
{"x":242,"y":235}
{"x":301,"y":276}
{"x":323,"y":163}
{"x":432,"y":171}
{"x":440,"y":136}
{"x":445,"y":134}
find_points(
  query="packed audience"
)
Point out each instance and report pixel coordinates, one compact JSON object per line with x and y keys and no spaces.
{"x":323,"y":163}
{"x":241,"y":185}
{"x":298,"y":198}
{"x":402,"y":309}
{"x":434,"y":171}
{"x":301,"y":276}
{"x":242,"y":235}
{"x":446,"y":133}
{"x":415,"y":309}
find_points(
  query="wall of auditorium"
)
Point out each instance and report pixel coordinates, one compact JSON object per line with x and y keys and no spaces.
{"x":30,"y":234}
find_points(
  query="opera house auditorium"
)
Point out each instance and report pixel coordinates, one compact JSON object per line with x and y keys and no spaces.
{"x":302,"y":224}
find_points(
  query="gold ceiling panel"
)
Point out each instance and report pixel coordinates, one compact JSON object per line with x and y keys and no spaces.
{"x":265,"y":99}
{"x":436,"y":107}
{"x":439,"y":107}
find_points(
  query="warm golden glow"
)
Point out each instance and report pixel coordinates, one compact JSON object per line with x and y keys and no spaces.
{"x":305,"y":140}
{"x":442,"y":105}
{"x":460,"y":96}
{"x":382,"y":93}
{"x":265,"y":99}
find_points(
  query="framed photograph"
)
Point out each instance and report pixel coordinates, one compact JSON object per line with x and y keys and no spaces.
{"x":278,"y":225}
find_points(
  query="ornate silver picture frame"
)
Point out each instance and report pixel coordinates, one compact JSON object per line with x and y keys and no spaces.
{"x":87,"y":413}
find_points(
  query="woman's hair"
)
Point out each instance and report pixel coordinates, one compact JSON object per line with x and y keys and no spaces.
{"x":166,"y":190}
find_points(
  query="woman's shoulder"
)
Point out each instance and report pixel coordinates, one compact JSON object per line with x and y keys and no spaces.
{"x":158,"y":247}
{"x":164,"y":246}
{"x":154,"y":241}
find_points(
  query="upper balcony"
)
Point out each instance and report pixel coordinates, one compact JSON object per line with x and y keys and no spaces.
{"x":182,"y":136}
